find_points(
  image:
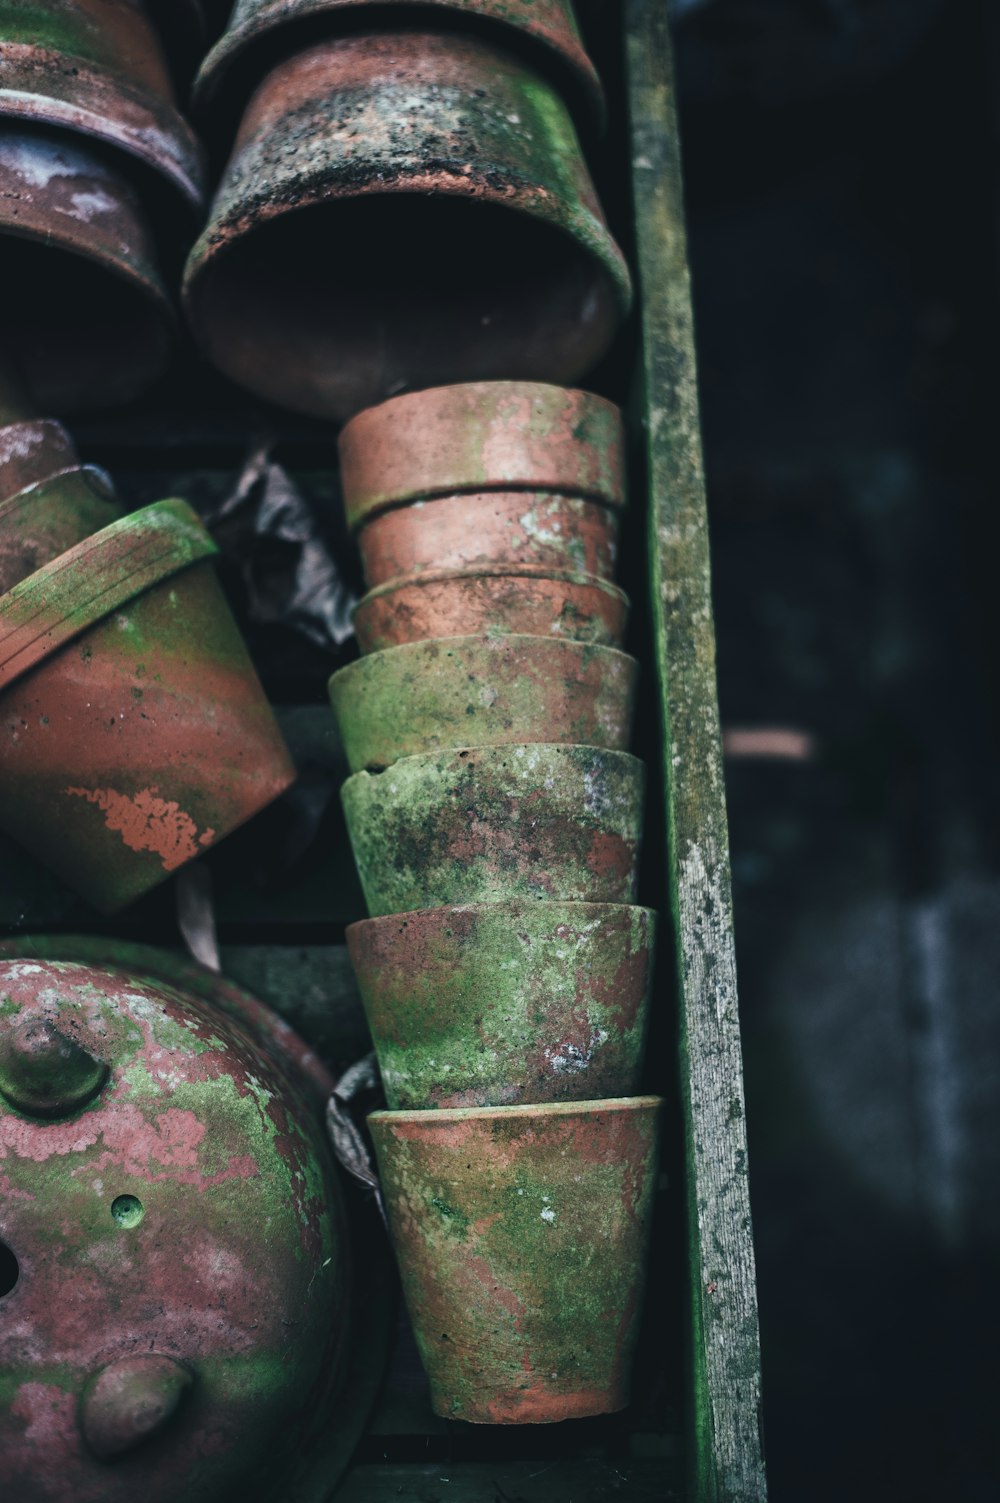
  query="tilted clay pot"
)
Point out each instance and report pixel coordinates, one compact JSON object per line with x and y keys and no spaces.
{"x":440,"y":143}
{"x":547,"y":29}
{"x":577,"y":607}
{"x":521,"y":1234}
{"x":482,"y":436}
{"x":134,"y":733}
{"x":498,"y":1004}
{"x":91,"y":324}
{"x":490,"y":529}
{"x":45,"y":519}
{"x":483,"y":691}
{"x":494,"y":824}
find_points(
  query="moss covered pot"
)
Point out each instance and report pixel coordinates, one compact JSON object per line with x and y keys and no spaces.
{"x":490,"y":691}
{"x":496,"y":1004}
{"x":46,"y":519}
{"x":521,"y":1234}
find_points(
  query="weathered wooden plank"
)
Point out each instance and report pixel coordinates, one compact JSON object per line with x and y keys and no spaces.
{"x":725,"y":1355}
{"x":582,"y":1480}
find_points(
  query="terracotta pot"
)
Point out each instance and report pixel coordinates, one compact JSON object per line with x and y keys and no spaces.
{"x":492,"y":824}
{"x":521,"y":1234}
{"x":487,"y":691}
{"x":576,"y":607}
{"x":547,"y":28}
{"x":502,"y":529}
{"x":482,"y":436}
{"x":498,"y":1004}
{"x":92,"y":323}
{"x":151,"y":1129}
{"x":96,"y":67}
{"x":46,"y":519}
{"x":299,"y":287}
{"x":134,"y":733}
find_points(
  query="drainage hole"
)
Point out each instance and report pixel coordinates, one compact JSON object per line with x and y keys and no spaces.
{"x":127,"y":1211}
{"x":10,"y":1270}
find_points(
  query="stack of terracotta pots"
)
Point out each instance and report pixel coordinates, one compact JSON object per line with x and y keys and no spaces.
{"x":134,"y":731}
{"x":495,"y":815}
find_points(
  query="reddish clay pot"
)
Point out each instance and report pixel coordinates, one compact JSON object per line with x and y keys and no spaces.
{"x":502,"y":530}
{"x":150,"y":1129}
{"x":96,"y":67}
{"x":436,"y":142}
{"x":479,"y":436}
{"x":92,"y":323}
{"x":134,"y":733}
{"x":575,"y":607}
{"x":31,"y":451}
{"x":46,"y":519}
{"x":497,"y":1004}
{"x":487,"y":691}
{"x":521,"y":1234}
{"x":242,"y":56}
{"x":494,"y":824}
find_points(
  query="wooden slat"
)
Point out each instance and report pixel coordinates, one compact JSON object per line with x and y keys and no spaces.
{"x":725,"y":1355}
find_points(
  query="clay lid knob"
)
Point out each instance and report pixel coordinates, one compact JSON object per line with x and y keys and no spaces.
{"x":44,"y":1072}
{"x":131,"y":1401}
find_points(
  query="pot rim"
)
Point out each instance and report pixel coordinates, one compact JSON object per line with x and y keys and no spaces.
{"x":443,"y":1116}
{"x":510,"y":909}
{"x":516,"y":571}
{"x":455,"y":752}
{"x":490,"y":643}
{"x":97,"y":477}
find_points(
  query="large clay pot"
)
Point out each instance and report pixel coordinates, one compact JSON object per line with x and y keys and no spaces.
{"x":493,"y":824}
{"x":482,"y":436}
{"x":483,"y":691}
{"x":521,"y":1234}
{"x":238,"y":61}
{"x":498,"y":1004}
{"x":575,"y":607}
{"x":170,"y":1214}
{"x":503,"y":530}
{"x":91,"y":324}
{"x":134,"y":733}
{"x":401,"y":209}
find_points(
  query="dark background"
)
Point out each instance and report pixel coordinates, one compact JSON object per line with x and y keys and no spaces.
{"x":840,"y":164}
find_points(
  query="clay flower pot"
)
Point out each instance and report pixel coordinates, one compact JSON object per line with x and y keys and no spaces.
{"x":482,"y":436}
{"x":502,"y":530}
{"x":487,"y":691}
{"x":134,"y":733}
{"x":300,"y":288}
{"x":45,"y":519}
{"x":577,"y":607}
{"x":96,"y":67}
{"x":498,"y":1004}
{"x":493,"y":824}
{"x":92,"y":324}
{"x":243,"y":54}
{"x":521,"y":1234}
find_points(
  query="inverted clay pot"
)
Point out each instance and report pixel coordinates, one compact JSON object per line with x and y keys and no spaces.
{"x":45,"y":519}
{"x":487,"y":691}
{"x":577,"y":607}
{"x":498,"y":1004}
{"x":91,"y":324}
{"x":482,"y":436}
{"x":134,"y":733}
{"x":495,"y":824}
{"x":547,"y":29}
{"x":402,"y":209}
{"x":96,"y":67}
{"x":521,"y":1234}
{"x":503,"y":530}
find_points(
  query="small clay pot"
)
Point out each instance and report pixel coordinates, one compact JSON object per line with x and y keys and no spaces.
{"x":521,"y":1234}
{"x":490,"y":529}
{"x":482,"y":436}
{"x":495,"y":824}
{"x":437,"y":142}
{"x":497,"y":1004}
{"x":487,"y":691}
{"x":33,"y":450}
{"x":134,"y":733}
{"x":575,"y":607}
{"x":49,"y":517}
